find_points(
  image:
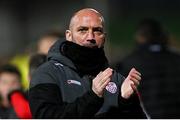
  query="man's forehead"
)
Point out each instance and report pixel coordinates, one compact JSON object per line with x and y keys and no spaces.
{"x":87,"y":15}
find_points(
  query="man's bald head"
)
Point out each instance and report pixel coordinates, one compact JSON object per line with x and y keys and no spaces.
{"x":86,"y":28}
{"x":83,"y":12}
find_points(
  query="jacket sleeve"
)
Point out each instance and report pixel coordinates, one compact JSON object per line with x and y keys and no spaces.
{"x":46,"y":102}
{"x":131,"y":108}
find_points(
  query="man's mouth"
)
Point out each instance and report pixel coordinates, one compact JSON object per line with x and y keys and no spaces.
{"x":90,"y":45}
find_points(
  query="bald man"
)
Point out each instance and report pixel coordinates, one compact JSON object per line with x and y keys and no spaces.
{"x":76,"y":81}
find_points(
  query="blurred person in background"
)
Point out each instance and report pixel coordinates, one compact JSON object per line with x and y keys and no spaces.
{"x":47,"y":40}
{"x":76,"y":81}
{"x":13,"y":103}
{"x":18,"y":100}
{"x":160,"y":68}
{"x":21,"y":61}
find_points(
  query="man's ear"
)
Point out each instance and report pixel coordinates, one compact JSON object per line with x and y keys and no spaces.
{"x":68,"y":35}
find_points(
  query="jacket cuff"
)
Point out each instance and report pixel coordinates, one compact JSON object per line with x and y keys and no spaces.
{"x":95,"y":99}
{"x":133,"y":98}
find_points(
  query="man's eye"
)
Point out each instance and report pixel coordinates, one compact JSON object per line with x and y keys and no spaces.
{"x":82,"y":30}
{"x":98,"y":30}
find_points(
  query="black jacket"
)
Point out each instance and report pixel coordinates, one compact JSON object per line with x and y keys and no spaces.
{"x":57,"y":91}
{"x":160,"y":85}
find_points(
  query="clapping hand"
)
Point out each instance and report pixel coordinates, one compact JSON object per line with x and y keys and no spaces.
{"x":131,"y":83}
{"x":101,"y":80}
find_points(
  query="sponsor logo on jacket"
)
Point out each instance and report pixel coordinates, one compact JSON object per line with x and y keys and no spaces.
{"x":73,"y":82}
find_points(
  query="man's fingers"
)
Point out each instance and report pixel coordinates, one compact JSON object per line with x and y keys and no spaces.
{"x":134,"y":76}
{"x":134,"y":88}
{"x":99,"y":74}
{"x":105,"y":83}
{"x":137,"y":77}
{"x":135,"y":81}
{"x":102,"y":80}
{"x":133,"y":70}
{"x":138,"y":73}
{"x":103,"y":73}
{"x":108,"y":75}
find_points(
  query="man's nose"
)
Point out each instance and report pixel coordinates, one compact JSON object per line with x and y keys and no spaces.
{"x":90,"y":35}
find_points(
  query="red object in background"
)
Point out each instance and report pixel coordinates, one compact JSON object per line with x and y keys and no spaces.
{"x":20,"y":105}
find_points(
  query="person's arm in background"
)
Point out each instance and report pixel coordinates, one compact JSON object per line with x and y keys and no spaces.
{"x":20,"y":104}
